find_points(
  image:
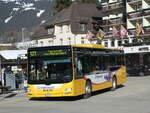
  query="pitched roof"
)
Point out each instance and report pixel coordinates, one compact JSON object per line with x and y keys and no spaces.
{"x":12,"y":54}
{"x":85,"y":10}
{"x":77,"y":11}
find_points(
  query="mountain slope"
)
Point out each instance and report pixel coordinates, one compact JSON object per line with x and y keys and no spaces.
{"x":18,"y":14}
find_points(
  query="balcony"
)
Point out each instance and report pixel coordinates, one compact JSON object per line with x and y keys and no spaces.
{"x":131,"y":32}
{"x":148,"y":1}
{"x":146,"y":13}
{"x":108,"y":35}
{"x":145,"y":34}
{"x":133,"y":1}
{"x":112,"y":22}
{"x":138,"y":14}
{"x":135,"y":15}
{"x":113,"y":7}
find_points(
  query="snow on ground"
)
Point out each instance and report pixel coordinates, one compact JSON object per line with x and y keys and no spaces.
{"x":8,"y":19}
{"x":6,"y":1}
{"x":40,"y":13}
{"x":15,"y":9}
{"x":43,"y":21}
{"x":29,"y":8}
{"x":27,"y":5}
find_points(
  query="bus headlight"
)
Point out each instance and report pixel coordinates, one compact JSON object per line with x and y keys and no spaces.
{"x":68,"y":89}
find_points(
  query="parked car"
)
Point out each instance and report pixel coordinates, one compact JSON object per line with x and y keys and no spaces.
{"x":138,"y":70}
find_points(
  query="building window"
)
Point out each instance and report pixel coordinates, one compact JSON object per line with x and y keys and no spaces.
{"x":82,"y":40}
{"x":106,"y":44}
{"x":61,"y":41}
{"x":83,"y":27}
{"x":112,"y":43}
{"x":126,"y":41}
{"x":119,"y":43}
{"x":69,"y":40}
{"x":50,"y":31}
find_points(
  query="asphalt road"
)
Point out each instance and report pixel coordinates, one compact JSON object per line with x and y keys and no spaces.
{"x":134,"y":97}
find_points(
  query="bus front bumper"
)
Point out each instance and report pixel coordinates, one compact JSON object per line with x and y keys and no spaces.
{"x":49,"y":94}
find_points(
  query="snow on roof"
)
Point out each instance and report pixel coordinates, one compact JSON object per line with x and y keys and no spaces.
{"x":12,"y":54}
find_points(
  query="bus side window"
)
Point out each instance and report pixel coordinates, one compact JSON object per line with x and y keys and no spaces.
{"x":86,"y":64}
{"x":79,"y":71}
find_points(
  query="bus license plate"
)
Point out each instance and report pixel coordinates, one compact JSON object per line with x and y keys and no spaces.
{"x":47,"y":95}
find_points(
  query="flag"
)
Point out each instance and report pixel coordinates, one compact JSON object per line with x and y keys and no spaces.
{"x":100,"y":34}
{"x":89,"y":35}
{"x":123,"y":32}
{"x":114,"y":31}
{"x":138,"y":30}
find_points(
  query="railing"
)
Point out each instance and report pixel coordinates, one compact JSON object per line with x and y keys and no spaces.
{"x":108,"y":34}
{"x":146,"y":31}
{"x":131,"y":32}
{"x":146,"y":13}
{"x":138,"y":14}
{"x":114,"y":21}
{"x":135,"y":15}
{"x":134,"y":0}
{"x":112,"y":6}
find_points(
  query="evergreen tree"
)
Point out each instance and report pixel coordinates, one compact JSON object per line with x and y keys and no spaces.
{"x":61,"y":4}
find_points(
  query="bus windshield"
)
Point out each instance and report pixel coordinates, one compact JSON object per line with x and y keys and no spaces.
{"x":48,"y":71}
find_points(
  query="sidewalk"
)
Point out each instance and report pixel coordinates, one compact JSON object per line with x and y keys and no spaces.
{"x":11,"y":94}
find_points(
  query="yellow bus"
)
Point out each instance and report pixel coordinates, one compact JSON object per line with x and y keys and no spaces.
{"x":73,"y":70}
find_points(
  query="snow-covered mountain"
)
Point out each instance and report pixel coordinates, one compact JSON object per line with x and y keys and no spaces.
{"x":17,"y":14}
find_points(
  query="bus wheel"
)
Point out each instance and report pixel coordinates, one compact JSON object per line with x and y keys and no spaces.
{"x":114,"y":84}
{"x":88,"y":90}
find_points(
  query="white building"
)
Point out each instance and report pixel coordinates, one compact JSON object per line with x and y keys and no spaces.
{"x":113,"y":16}
{"x":71,"y":25}
{"x":138,"y":11}
{"x":127,"y":13}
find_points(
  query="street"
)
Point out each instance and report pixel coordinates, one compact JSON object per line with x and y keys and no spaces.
{"x":133,"y":97}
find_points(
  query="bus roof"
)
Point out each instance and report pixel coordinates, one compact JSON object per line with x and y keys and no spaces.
{"x":96,"y":46}
{"x":89,"y":46}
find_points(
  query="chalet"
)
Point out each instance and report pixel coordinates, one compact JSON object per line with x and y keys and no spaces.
{"x":71,"y":25}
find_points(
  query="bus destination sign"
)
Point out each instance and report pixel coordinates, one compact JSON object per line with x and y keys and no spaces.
{"x":47,"y":53}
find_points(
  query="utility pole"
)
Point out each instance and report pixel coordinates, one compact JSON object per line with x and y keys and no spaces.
{"x":75,"y":39}
{"x":22,"y":32}
{"x":1,"y":77}
{"x":0,"y":69}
